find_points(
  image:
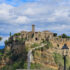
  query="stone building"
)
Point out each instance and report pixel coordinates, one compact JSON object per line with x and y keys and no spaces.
{"x":36,"y":37}
{"x":32,"y":36}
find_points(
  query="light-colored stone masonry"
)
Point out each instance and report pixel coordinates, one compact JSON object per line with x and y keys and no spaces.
{"x":38,"y":37}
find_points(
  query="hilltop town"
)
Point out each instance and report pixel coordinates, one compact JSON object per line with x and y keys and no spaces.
{"x":19,"y":44}
{"x":25,"y":38}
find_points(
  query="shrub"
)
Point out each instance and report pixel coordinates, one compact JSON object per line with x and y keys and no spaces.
{"x":0,"y":38}
{"x":34,"y":45}
{"x":49,"y":45}
{"x":58,"y":58}
{"x":32,"y":35}
{"x":55,"y":34}
{"x":64,"y":36}
{"x":17,"y":34}
{"x":8,"y":67}
{"x":25,"y":66}
{"x":10,"y":34}
{"x":60,"y":36}
{"x":6,"y":42}
{"x":35,"y":66}
{"x":44,"y":41}
{"x":60,"y":61}
{"x":68,"y":61}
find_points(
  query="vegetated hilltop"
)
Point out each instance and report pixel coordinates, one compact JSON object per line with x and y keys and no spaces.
{"x":0,"y":38}
{"x":46,"y":57}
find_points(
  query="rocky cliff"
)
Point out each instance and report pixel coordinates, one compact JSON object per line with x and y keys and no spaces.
{"x":47,"y":57}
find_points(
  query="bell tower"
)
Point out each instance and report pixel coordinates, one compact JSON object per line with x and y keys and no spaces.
{"x":33,"y":28}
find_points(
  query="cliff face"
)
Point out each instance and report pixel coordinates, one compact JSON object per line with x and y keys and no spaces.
{"x":45,"y":58}
{"x":19,"y":44}
{"x":50,"y":56}
{"x":25,"y":39}
{"x":60,"y":41}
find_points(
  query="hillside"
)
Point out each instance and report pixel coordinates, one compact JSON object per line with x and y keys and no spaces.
{"x":35,"y":50}
{"x":46,"y":57}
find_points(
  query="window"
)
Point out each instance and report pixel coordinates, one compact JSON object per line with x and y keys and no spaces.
{"x":36,"y":39}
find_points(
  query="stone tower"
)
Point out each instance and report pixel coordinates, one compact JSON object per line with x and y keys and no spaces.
{"x":33,"y":28}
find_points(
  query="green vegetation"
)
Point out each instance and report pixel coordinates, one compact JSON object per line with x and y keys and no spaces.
{"x":18,"y":60}
{"x":55,"y":34}
{"x":64,"y":36}
{"x":58,"y":58}
{"x":34,"y":45}
{"x":44,"y":41}
{"x":10,"y":34}
{"x":8,"y":67}
{"x":47,"y":68}
{"x":36,"y":66}
{"x":1,"y":53}
{"x":33,"y":66}
{"x":68,"y":61}
{"x":8,"y":41}
{"x":16,"y":65}
{"x":48,"y":44}
{"x":20,"y":40}
{"x":0,"y":38}
{"x":32,"y":35}
{"x":17,"y":34}
{"x":60,"y":61}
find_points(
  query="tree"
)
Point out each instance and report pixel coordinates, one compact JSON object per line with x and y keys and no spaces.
{"x":10,"y":34}
{"x":64,"y":36}
{"x":0,"y":38}
{"x":55,"y":34}
{"x":17,"y":34}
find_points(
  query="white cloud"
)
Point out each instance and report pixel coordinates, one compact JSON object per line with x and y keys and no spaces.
{"x":22,"y":19}
{"x":44,"y":12}
{"x":29,"y":13}
{"x":3,"y":40}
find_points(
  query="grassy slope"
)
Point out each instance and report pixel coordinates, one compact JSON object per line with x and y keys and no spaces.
{"x":42,"y":59}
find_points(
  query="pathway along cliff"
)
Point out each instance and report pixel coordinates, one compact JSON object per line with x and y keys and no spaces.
{"x":30,"y":57}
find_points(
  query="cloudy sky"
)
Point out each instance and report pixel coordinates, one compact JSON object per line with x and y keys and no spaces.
{"x":18,"y":15}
